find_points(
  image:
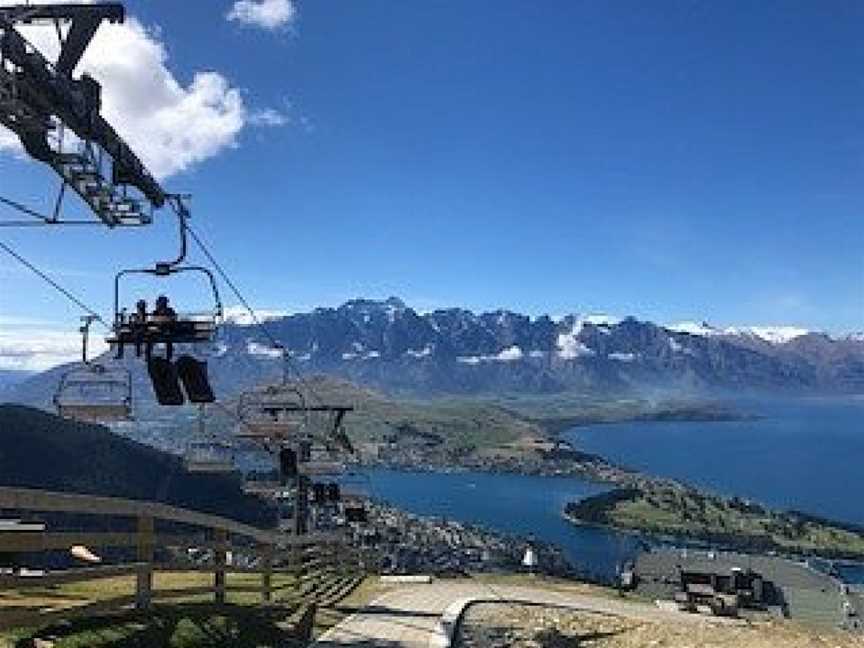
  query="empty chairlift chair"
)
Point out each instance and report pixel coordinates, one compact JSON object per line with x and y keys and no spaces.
{"x":271,"y":415}
{"x":208,"y":454}
{"x":209,"y":457}
{"x":95,"y":394}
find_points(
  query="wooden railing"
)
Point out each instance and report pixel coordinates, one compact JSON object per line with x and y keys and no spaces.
{"x":301,"y":557}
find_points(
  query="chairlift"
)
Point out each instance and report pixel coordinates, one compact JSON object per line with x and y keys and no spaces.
{"x":164,"y":326}
{"x":144,"y":330}
{"x":208,"y":455}
{"x":269,"y":414}
{"x":93,"y":392}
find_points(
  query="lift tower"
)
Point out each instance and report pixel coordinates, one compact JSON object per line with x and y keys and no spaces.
{"x":57,"y":116}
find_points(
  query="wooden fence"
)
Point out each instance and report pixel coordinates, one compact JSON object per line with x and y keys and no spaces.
{"x":301,"y":556}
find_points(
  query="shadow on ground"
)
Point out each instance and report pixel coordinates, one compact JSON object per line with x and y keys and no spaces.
{"x":178,"y":625}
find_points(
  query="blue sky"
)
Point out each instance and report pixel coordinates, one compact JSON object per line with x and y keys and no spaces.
{"x":672,"y":160}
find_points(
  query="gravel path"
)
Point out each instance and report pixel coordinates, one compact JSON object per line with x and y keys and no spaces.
{"x":496,"y":625}
{"x":409,"y":617}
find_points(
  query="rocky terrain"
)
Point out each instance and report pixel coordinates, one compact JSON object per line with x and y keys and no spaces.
{"x":500,"y":625}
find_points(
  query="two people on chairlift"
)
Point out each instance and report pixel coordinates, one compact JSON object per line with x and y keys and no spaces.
{"x":163,"y":315}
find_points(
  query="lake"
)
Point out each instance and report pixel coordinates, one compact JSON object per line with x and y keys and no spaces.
{"x":516,"y":504}
{"x":804,"y":454}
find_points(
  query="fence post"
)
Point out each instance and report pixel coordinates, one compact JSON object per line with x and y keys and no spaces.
{"x":220,"y":559}
{"x":144,"y":581}
{"x":267,"y":574}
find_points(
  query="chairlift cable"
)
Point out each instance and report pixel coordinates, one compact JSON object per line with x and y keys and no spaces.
{"x":63,"y":291}
{"x":255,"y":319}
{"x":23,"y":209}
{"x":40,"y":220}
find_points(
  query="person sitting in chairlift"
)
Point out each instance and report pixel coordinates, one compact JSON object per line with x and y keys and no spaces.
{"x":139,"y":319}
{"x":163,"y":309}
{"x":164,"y":316}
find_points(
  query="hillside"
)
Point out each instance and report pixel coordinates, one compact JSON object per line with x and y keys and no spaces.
{"x":39,"y":450}
{"x":667,"y":508}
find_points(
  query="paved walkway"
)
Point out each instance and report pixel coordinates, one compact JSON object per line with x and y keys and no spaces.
{"x":409,"y":617}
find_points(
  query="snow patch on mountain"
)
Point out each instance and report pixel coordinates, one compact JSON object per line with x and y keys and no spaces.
{"x":703,"y":329}
{"x":422,"y":353}
{"x":622,"y":357}
{"x":510,"y":354}
{"x":771,"y":334}
{"x":261,"y":350}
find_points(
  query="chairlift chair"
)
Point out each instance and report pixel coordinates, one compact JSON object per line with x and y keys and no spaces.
{"x":208,"y":455}
{"x":144,"y":332}
{"x":93,"y":392}
{"x":269,"y":415}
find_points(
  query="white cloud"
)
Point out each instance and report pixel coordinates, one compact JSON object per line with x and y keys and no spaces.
{"x":170,"y":125}
{"x":35,"y":349}
{"x":267,"y":14}
{"x":240,"y":316}
{"x":269,"y":117}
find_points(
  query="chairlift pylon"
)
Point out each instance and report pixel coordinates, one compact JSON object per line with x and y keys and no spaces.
{"x":94,"y":392}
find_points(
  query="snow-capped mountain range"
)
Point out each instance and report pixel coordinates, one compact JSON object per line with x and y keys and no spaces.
{"x":390,"y":345}
{"x":387,"y":344}
{"x":772,"y":334}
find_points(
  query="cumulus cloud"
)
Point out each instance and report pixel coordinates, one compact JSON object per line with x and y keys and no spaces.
{"x":172,"y":126}
{"x":266,"y":14}
{"x":240,"y":315}
{"x":34,"y":349}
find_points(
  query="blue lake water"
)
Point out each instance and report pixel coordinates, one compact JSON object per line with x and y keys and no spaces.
{"x":805,"y":454}
{"x":515,"y":504}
